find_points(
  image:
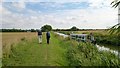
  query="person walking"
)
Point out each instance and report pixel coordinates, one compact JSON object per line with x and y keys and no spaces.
{"x":48,"y":37}
{"x":92,"y":39}
{"x":40,"y":36}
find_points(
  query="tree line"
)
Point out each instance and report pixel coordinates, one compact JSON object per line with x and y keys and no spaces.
{"x":17,"y":30}
{"x":44,"y":29}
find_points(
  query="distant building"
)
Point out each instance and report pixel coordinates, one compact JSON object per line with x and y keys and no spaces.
{"x":28,"y":31}
{"x":79,"y":37}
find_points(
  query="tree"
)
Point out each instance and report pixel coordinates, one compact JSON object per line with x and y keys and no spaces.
{"x":32,"y":30}
{"x":46,"y":28}
{"x":74,"y":28}
{"x":116,"y":28}
{"x":115,"y":3}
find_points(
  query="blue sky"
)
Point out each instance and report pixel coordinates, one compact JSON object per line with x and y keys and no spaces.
{"x":84,"y":14}
{"x":47,"y":7}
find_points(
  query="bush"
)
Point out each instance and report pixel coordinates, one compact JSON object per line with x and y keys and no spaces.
{"x":107,"y":39}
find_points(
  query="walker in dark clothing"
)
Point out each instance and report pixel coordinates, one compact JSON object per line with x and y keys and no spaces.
{"x":40,"y":36}
{"x":39,"y":32}
{"x":48,"y":37}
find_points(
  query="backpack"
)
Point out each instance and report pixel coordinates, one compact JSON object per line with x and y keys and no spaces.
{"x":48,"y":34}
{"x":39,"y":33}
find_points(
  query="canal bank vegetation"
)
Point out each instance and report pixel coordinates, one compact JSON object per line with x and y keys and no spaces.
{"x":102,"y":37}
{"x":87,"y":54}
{"x":107,"y":39}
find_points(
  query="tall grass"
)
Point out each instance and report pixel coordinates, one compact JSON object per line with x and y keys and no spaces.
{"x":9,"y":40}
{"x":17,"y":53}
{"x":86,"y":54}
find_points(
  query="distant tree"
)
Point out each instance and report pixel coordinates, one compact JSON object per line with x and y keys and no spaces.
{"x":46,"y":28}
{"x":32,"y":30}
{"x":74,"y":28}
{"x":12,"y":30}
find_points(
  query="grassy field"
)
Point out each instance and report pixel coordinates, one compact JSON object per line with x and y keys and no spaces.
{"x":12,"y":38}
{"x":60,"y":52}
{"x":31,"y":53}
{"x":103,"y":32}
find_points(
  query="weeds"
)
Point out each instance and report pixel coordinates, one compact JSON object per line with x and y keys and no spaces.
{"x":23,"y":39}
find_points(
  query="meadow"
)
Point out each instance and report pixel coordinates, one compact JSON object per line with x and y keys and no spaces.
{"x":26,"y":51}
{"x":10,"y":39}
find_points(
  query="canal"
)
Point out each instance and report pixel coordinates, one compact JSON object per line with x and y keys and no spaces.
{"x":101,"y":47}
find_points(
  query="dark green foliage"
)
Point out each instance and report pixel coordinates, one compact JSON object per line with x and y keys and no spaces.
{"x":33,"y":30}
{"x":46,"y":28}
{"x":12,"y":30}
{"x":74,"y":28}
{"x":107,"y":39}
{"x":17,"y":30}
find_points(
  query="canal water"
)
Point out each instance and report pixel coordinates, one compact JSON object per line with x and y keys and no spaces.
{"x":61,"y":34}
{"x":100,"y":47}
{"x":103,"y":48}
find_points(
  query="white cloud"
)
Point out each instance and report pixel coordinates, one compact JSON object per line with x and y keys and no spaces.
{"x":0,"y":8}
{"x":89,"y":18}
{"x":20,"y":4}
{"x":100,"y":3}
{"x":98,"y":15}
{"x":93,"y":3}
{"x":59,"y":1}
{"x":4,"y":11}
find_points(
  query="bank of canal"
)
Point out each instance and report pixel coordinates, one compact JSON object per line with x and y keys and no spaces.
{"x":111,"y":49}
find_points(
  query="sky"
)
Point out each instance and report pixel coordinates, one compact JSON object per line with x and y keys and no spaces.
{"x":63,"y":14}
